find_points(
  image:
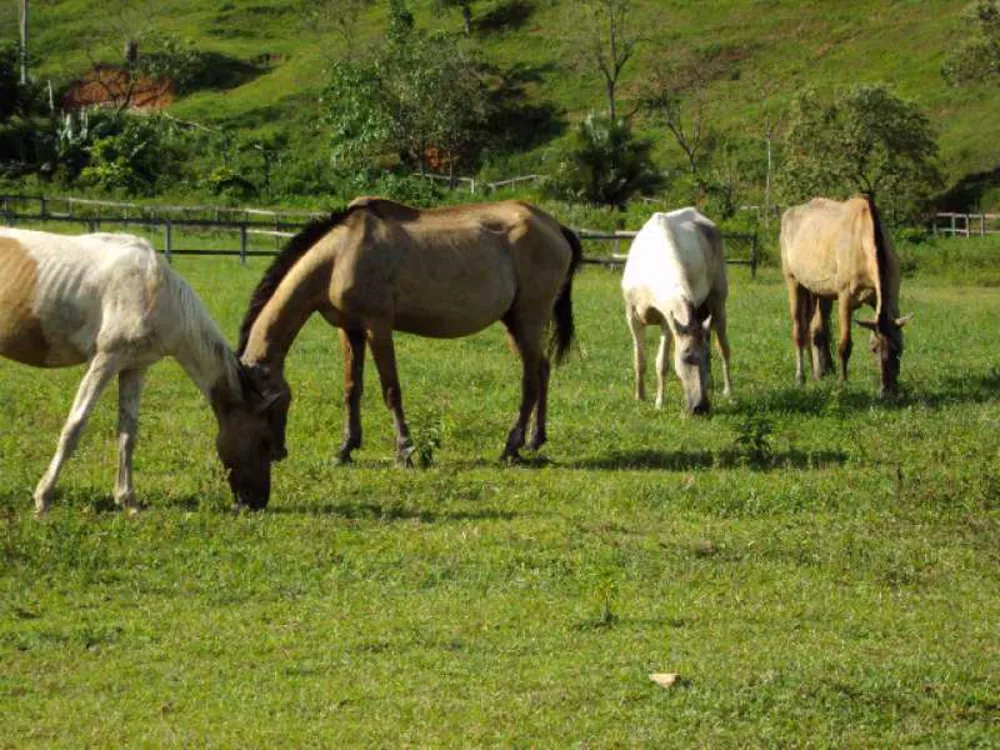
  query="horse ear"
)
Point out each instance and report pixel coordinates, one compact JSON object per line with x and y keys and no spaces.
{"x":267,"y":400}
{"x":871,"y":325}
{"x":900,"y":322}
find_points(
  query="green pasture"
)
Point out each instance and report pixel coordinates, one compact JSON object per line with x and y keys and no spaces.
{"x":821,"y":569}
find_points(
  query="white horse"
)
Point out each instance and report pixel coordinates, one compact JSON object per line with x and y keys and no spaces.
{"x":675,"y":277}
{"x":110,"y":301}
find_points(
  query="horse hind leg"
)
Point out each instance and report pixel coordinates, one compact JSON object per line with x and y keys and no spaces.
{"x":353,"y":345}
{"x":94,"y":382}
{"x":722,"y":344}
{"x":538,"y":435}
{"x":527,"y":341}
{"x":384,"y":354}
{"x":129,"y":393}
{"x":819,"y":333}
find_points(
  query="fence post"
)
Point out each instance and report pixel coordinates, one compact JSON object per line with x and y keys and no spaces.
{"x":168,"y":238}
{"x":243,"y":244}
{"x":753,"y":256}
{"x":90,"y":226}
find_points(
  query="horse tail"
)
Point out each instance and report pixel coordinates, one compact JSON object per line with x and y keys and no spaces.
{"x":562,"y":310}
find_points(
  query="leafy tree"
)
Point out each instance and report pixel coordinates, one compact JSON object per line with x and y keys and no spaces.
{"x":867,"y":139}
{"x":416,"y":92}
{"x":978,"y":57}
{"x":10,"y":90}
{"x":607,"y":164}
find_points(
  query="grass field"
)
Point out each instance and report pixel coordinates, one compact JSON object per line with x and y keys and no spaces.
{"x":820,"y":568}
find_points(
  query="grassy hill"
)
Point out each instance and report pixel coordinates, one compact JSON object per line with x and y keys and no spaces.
{"x":271,"y":59}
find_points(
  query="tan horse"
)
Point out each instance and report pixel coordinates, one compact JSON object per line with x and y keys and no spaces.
{"x":109,"y":301}
{"x":839,"y":251}
{"x":380,"y":266}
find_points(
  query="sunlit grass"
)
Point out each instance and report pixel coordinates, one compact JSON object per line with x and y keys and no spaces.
{"x":841,"y":588}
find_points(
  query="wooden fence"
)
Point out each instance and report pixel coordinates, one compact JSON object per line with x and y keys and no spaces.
{"x":966,"y":225}
{"x":250,"y":222}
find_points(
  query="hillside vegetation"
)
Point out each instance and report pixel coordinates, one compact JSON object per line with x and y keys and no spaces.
{"x":269,"y":61}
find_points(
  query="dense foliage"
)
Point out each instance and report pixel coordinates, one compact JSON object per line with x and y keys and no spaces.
{"x":868,"y":140}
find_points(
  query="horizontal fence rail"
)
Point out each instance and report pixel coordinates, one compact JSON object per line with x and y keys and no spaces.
{"x":279,"y":225}
{"x":966,"y":225}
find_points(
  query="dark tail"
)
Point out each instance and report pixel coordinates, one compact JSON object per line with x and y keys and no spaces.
{"x":562,"y":311}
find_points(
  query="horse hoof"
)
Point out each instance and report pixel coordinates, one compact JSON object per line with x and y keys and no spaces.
{"x":404,"y":456}
{"x":537,"y":441}
{"x":344,"y":459}
{"x":511,"y":458}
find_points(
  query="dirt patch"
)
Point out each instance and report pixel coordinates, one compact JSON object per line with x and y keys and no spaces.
{"x":111,"y":86}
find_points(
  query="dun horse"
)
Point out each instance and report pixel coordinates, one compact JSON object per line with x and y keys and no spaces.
{"x":832,"y":250}
{"x":108,"y":300}
{"x":380,"y":266}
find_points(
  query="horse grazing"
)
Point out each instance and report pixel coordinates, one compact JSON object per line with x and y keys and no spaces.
{"x":380,"y":266}
{"x":840,"y":251}
{"x":110,"y":301}
{"x":675,"y":277}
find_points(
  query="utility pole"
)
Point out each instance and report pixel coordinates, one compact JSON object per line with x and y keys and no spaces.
{"x":24,"y":42}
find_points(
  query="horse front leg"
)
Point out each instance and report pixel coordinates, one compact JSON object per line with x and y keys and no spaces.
{"x":129,"y":393}
{"x":99,"y":374}
{"x":384,"y":354}
{"x":538,"y":435}
{"x":637,"y":328}
{"x":353,"y":345}
{"x":662,"y":362}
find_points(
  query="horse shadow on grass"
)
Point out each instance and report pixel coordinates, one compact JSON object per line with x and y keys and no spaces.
{"x":390,"y":512}
{"x":651,"y":460}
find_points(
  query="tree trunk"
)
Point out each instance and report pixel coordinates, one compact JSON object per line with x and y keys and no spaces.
{"x":24,"y":42}
{"x":467,"y":19}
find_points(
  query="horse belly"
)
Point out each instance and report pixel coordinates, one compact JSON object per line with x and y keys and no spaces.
{"x":25,"y":331}
{"x":452,"y":305}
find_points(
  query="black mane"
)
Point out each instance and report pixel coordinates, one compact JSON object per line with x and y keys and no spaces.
{"x":297,"y":246}
{"x":881,"y":256}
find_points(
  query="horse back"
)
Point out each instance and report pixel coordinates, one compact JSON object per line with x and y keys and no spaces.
{"x":676,"y":255}
{"x":829,"y":248}
{"x":61,"y":294}
{"x":445,"y":272}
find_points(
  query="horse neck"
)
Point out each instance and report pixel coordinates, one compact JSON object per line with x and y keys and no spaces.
{"x":201,"y":349}
{"x":297,"y":297}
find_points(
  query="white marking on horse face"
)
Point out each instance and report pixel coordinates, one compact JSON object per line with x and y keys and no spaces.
{"x":21,"y":335}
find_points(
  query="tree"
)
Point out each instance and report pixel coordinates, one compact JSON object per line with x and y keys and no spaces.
{"x":338,"y":16}
{"x":608,"y":42}
{"x":606,"y":164}
{"x":466,"y":7}
{"x":415,"y":94}
{"x":867,"y":139}
{"x":978,"y":57}
{"x":676,"y":98}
